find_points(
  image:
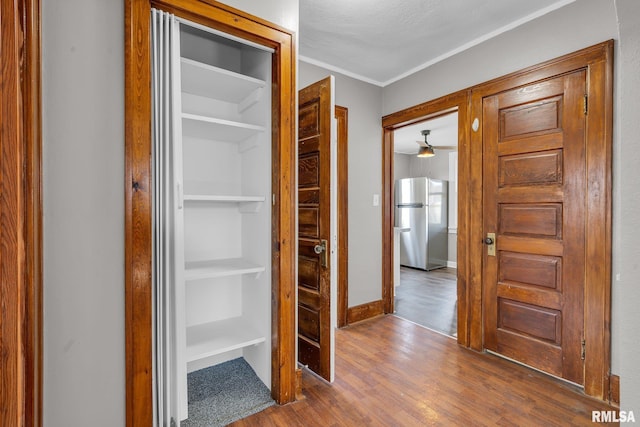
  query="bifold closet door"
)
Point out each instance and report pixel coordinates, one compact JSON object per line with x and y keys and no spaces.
{"x":170,"y":377}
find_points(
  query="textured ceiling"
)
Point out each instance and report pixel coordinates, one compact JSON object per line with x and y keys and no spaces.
{"x":381,"y":41}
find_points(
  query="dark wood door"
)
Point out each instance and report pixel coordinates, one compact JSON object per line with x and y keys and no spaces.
{"x":315,"y":117}
{"x":534,"y":202}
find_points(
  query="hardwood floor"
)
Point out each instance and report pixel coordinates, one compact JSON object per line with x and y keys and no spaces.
{"x":428,"y":298}
{"x":391,"y":372}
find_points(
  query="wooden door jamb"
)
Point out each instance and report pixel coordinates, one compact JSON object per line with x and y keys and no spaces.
{"x":342,"y":114}
{"x":457,"y":101}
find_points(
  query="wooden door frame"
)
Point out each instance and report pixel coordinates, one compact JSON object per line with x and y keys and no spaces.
{"x":138,"y":185}
{"x":597,"y":60}
{"x":458,"y":101}
{"x":21,"y":208}
{"x":342,"y":115}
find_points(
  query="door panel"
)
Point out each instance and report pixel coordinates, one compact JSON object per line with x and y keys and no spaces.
{"x":534,"y":201}
{"x":314,"y":228}
{"x":530,"y":169}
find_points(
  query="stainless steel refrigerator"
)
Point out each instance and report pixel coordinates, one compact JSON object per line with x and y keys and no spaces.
{"x":421,"y":214}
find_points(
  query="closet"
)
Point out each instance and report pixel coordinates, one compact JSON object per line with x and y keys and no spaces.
{"x":209,"y":204}
{"x":222,"y":172}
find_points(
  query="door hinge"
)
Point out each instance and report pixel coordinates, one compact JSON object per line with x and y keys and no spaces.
{"x":582,"y":353}
{"x":586,"y":104}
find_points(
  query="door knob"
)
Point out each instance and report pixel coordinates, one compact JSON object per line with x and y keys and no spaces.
{"x":490,"y":241}
{"x":321,"y":250}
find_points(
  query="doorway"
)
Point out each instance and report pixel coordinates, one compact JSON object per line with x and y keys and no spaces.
{"x":447,"y":105}
{"x":425,"y":223}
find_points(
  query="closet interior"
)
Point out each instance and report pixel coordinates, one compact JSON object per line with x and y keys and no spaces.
{"x":223,"y":214}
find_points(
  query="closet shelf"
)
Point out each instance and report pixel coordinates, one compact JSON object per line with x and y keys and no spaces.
{"x":222,"y":199}
{"x":246,"y":204}
{"x":210,"y":339}
{"x":212,"y":82}
{"x":220,"y":268}
{"x":214,"y":129}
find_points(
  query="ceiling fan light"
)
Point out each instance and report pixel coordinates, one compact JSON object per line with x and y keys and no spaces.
{"x":426,"y":152}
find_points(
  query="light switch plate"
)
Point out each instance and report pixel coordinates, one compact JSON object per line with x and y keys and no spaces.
{"x":376,"y":200}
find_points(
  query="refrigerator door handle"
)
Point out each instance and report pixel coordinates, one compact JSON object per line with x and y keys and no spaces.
{"x":410,"y":205}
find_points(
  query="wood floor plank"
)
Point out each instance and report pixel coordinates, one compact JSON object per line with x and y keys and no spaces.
{"x":391,"y":372}
{"x":428,"y":298}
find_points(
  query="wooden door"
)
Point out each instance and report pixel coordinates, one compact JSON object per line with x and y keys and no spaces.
{"x":534,"y":202}
{"x":315,"y":116}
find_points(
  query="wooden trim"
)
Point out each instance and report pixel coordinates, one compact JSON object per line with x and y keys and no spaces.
{"x":138,"y":253}
{"x":614,"y":390}
{"x":447,"y":104}
{"x":342,"y":114}
{"x":387,"y":221}
{"x":464,"y":255}
{"x":475,"y":227}
{"x":597,"y":60}
{"x":299,"y":395}
{"x":21,"y":210}
{"x":365,"y":311}
{"x":32,"y":126}
{"x":138,"y":256}
{"x":597,"y":290}
{"x":12,"y":261}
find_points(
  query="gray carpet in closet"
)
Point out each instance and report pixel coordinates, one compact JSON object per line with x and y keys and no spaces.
{"x":224,"y":393}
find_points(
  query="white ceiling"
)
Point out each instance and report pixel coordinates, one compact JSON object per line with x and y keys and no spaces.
{"x":444,"y":131}
{"x":381,"y":41}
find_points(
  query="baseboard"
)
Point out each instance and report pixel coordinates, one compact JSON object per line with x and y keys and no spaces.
{"x":364,"y":311}
{"x":299,"y":395}
{"x":452,"y":264}
{"x":614,"y":390}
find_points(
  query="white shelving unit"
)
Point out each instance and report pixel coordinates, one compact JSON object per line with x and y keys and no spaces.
{"x":203,"y":127}
{"x":245,"y":204}
{"x":214,"y":82}
{"x":196,"y":270}
{"x":222,"y":198}
{"x":211,"y":339}
{"x":224,"y":225}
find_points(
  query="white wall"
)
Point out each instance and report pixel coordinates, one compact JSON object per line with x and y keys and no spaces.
{"x":410,"y":166}
{"x":83,"y":213}
{"x":436,"y":167}
{"x":626,"y":292}
{"x":282,"y":12}
{"x":364,"y":102}
{"x":401,"y":165}
{"x":573,"y":27}
{"x":83,"y":142}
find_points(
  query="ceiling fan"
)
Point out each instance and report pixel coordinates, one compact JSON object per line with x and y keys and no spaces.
{"x":426,"y":149}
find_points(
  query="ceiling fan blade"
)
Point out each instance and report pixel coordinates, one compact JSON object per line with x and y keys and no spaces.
{"x":445,"y":147}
